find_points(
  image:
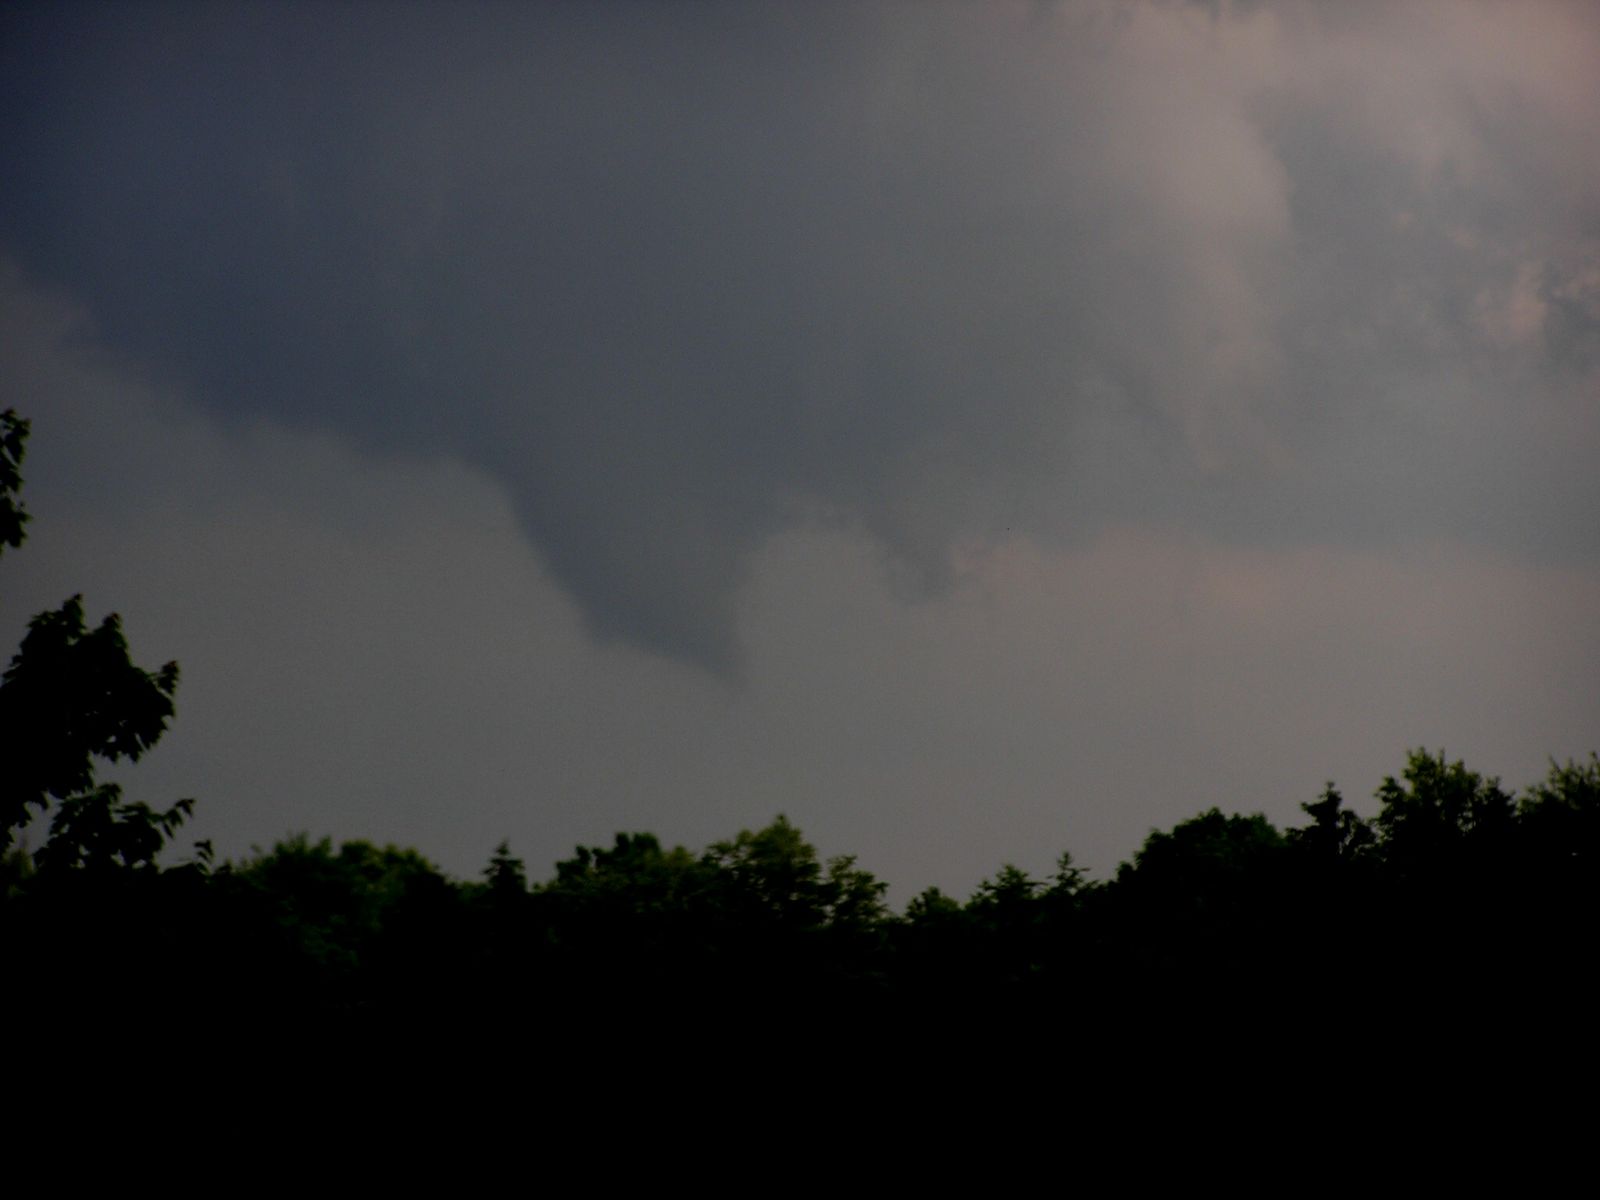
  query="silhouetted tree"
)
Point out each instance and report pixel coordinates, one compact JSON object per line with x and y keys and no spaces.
{"x":92,"y":915}
{"x":1335,"y":835}
{"x":1435,"y":809}
{"x":70,"y":696}
{"x":1202,"y":904}
{"x":13,"y":445}
{"x":1553,"y":880}
{"x":505,"y":876}
{"x":357,"y":930}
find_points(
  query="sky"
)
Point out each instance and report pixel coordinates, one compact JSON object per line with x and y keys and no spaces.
{"x":976,"y":431}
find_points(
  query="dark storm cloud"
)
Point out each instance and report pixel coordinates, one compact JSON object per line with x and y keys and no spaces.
{"x":679,"y":275}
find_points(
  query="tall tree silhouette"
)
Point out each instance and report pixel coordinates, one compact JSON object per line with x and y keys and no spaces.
{"x":70,"y":696}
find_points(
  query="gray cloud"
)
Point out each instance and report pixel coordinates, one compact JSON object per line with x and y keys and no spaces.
{"x":369,"y":649}
{"x":682,"y":277}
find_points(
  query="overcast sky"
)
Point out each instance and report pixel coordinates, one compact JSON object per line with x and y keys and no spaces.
{"x":975,"y":430}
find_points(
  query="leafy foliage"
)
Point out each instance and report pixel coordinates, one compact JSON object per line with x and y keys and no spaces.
{"x":72,"y":695}
{"x":96,"y":830}
{"x":93,"y":914}
{"x":1220,"y":910}
{"x":13,"y":443}
{"x":1439,"y":807}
